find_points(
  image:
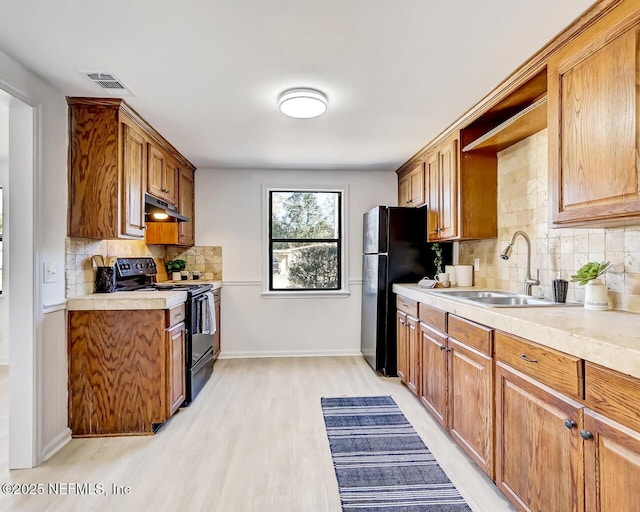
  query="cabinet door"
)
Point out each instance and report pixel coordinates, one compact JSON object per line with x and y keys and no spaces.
{"x":133,"y":183}
{"x":434,"y":373}
{"x":449,"y":190}
{"x":171,"y":174}
{"x":432,"y":174}
{"x":612,"y":465}
{"x":413,"y":355}
{"x":175,"y":368}
{"x":470,"y":375}
{"x":155,"y":172}
{"x":539,"y":452}
{"x":404,"y":185}
{"x":416,"y":188}
{"x":593,"y":124}
{"x":186,"y":230}
{"x":402,"y":342}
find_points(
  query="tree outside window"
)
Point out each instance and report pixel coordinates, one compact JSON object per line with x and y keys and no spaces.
{"x":305,"y":240}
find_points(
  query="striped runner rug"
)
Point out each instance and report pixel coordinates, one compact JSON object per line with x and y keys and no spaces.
{"x":380,"y":461}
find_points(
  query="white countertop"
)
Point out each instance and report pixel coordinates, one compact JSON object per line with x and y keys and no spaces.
{"x":607,"y":338}
{"x":164,"y":299}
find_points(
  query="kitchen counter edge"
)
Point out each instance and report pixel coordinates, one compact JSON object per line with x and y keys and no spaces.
{"x":608,"y":338}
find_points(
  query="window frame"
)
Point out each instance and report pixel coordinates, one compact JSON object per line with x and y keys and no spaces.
{"x":341,"y":289}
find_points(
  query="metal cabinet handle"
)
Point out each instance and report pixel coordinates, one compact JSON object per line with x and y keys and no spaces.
{"x":178,"y":315}
{"x":442,"y":347}
{"x":570,"y":424}
{"x":586,"y":435}
{"x":525,"y":358}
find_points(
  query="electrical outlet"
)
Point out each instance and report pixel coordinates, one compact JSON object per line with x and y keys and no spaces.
{"x":49,"y":272}
{"x":476,"y":264}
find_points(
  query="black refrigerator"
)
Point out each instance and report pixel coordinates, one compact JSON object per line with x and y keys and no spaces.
{"x":394,"y":251}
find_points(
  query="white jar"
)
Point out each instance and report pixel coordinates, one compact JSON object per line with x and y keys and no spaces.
{"x":595,"y":296}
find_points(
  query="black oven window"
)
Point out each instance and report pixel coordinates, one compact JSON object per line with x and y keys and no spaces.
{"x":305,"y":240}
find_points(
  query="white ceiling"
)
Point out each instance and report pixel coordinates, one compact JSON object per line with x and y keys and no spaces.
{"x":207,"y":73}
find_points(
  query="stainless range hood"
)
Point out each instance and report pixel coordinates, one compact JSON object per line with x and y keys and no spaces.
{"x":154,"y":206}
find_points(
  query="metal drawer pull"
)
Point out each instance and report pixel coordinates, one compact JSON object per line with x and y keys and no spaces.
{"x":570,"y":424}
{"x":525,"y":358}
{"x":179,"y":314}
{"x":442,"y":347}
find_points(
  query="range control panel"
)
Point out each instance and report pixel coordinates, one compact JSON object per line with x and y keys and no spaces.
{"x":132,"y":267}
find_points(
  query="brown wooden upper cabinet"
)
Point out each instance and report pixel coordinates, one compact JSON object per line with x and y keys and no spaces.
{"x":115,"y":157}
{"x":594,"y":129}
{"x":462,"y":193}
{"x":186,"y":206}
{"x":162,"y":176}
{"x":411,"y":187}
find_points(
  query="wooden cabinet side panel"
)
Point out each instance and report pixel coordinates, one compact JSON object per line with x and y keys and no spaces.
{"x":471,"y":405}
{"x":612,"y":466}
{"x":478,"y":196}
{"x":539,"y":461}
{"x":93,"y":172}
{"x":116,"y":371}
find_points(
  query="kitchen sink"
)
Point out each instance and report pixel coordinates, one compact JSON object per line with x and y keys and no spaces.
{"x":501,"y":299}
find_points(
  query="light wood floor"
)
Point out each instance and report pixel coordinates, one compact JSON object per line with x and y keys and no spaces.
{"x":253,"y":441}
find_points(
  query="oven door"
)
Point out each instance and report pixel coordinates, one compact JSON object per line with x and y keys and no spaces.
{"x":198,"y":344}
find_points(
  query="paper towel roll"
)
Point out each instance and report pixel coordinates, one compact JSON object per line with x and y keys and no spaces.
{"x":464,"y":275}
{"x":451,"y":270}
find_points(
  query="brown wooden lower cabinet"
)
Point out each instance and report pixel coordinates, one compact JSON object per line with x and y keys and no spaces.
{"x":612,"y":465}
{"x":408,"y":353}
{"x":539,"y":451}
{"x":126,"y":370}
{"x":402,"y":349}
{"x":175,"y":368}
{"x":470,"y":404}
{"x":434,"y":373}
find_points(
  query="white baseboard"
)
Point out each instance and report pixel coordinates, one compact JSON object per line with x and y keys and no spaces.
{"x":56,"y":444}
{"x":4,"y":361}
{"x":288,"y":353}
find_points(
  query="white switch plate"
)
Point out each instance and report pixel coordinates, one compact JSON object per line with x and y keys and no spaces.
{"x":49,"y":272}
{"x":476,"y":264}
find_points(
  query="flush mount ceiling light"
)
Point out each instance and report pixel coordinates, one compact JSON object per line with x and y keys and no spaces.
{"x":302,"y":103}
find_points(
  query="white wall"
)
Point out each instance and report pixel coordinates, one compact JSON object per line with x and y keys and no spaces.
{"x":38,"y":208}
{"x":229,"y":213}
{"x":4,"y":183}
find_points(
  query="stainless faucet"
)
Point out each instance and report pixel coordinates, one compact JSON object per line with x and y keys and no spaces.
{"x":529,"y":281}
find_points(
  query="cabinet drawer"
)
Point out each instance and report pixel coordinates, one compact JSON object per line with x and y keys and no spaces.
{"x":560,"y":371}
{"x":175,"y":315}
{"x":473,"y":334}
{"x":433,"y":317}
{"x":410,"y":307}
{"x":613,"y":394}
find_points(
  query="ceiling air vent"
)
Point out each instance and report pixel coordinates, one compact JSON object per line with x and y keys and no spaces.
{"x":110,"y":83}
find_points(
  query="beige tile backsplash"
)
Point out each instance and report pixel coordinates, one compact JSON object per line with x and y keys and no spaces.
{"x":523,"y":205}
{"x":80,"y":272}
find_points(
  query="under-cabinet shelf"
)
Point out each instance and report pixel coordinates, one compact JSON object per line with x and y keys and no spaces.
{"x":518,"y":127}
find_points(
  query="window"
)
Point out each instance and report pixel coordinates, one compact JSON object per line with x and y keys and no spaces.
{"x":305,"y":240}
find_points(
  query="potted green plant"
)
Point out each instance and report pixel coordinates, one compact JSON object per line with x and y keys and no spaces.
{"x":595,"y":296}
{"x":437,"y":260}
{"x":174,"y":267}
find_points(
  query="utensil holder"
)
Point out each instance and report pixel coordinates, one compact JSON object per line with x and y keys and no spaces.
{"x":105,"y":279}
{"x":560,"y":287}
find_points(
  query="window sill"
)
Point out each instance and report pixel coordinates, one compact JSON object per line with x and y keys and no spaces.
{"x":337,"y":294}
